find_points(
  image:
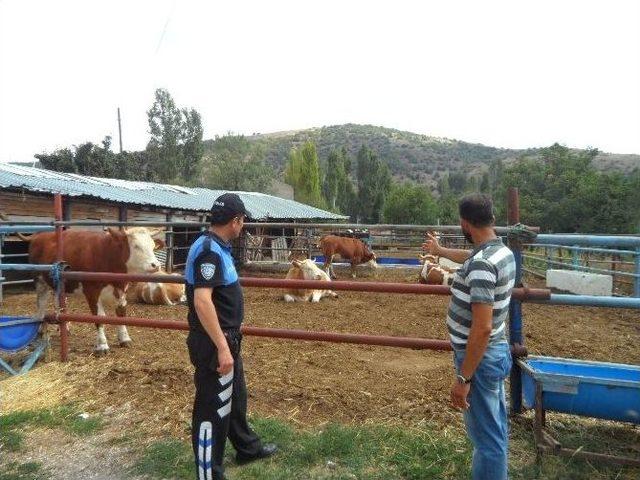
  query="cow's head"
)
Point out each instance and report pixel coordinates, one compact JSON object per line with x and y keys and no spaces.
{"x":310,"y":271}
{"x":428,"y":259}
{"x":297,"y":256}
{"x":141,"y":246}
{"x":433,"y":273}
{"x":370,"y":256}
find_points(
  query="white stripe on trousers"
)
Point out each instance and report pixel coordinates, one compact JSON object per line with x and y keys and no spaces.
{"x":204,"y":453}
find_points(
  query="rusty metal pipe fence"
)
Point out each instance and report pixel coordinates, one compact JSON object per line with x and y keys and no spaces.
{"x":380,"y":340}
{"x":525,"y":294}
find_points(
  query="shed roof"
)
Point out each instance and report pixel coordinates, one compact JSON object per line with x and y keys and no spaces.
{"x":262,"y":206}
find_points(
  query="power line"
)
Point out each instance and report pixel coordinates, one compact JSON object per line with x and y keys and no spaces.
{"x":166,"y":24}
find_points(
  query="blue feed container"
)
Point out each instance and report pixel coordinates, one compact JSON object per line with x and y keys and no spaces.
{"x":610,"y":391}
{"x":16,"y":337}
{"x":382,"y":261}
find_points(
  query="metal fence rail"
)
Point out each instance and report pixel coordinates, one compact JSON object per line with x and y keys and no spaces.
{"x":582,"y":248}
{"x":6,"y":228}
{"x":380,"y":287}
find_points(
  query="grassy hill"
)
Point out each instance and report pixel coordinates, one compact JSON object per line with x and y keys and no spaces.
{"x":410,"y":156}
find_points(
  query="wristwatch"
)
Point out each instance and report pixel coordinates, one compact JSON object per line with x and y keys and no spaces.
{"x":462,"y":380}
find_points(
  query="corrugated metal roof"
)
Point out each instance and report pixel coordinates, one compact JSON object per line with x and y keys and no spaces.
{"x":262,"y":206}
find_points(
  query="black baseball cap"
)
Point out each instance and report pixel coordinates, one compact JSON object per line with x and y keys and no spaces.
{"x":226,"y":207}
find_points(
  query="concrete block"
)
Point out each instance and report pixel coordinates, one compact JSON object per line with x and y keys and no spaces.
{"x":581,"y":283}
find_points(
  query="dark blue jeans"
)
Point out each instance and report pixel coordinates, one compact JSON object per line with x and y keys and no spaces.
{"x":486,"y":417}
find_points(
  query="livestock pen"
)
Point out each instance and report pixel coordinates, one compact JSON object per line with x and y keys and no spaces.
{"x":329,"y":395}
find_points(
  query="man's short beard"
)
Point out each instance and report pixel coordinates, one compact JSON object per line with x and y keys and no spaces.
{"x":467,"y":235}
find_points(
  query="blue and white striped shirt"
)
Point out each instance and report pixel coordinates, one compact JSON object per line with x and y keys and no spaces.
{"x":487,"y":276}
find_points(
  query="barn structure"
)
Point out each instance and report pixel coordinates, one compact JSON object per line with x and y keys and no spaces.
{"x":26,"y":194}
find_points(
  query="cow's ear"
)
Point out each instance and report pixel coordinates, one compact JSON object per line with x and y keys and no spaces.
{"x":114,"y":232}
{"x":158,"y":243}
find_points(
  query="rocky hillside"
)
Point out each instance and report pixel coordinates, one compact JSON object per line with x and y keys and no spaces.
{"x":410,"y":156}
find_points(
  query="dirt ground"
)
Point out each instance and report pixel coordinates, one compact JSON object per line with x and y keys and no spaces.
{"x":308,"y":383}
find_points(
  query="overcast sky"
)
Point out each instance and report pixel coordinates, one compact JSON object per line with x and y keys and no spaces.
{"x":503,"y":73}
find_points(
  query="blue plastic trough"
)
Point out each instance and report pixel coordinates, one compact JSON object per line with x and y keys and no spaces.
{"x":384,"y":261}
{"x":610,"y":391}
{"x":16,"y":334}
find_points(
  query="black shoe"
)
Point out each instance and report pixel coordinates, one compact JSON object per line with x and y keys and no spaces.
{"x":264,"y":452}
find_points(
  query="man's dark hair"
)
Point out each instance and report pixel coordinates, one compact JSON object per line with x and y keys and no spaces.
{"x":477,"y":209}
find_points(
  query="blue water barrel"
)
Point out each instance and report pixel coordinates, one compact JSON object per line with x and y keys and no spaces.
{"x":610,"y":391}
{"x":16,"y":337}
{"x":382,"y":260}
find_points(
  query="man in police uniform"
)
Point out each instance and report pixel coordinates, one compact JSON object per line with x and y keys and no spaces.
{"x":216,"y":310}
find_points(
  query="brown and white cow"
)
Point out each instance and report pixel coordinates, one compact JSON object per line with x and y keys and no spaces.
{"x":114,"y":251}
{"x":154,"y":293}
{"x":432,"y":273}
{"x":351,"y":249}
{"x":307,"y":270}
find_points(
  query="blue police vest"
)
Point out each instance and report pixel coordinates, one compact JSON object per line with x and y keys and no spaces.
{"x":210,"y":265}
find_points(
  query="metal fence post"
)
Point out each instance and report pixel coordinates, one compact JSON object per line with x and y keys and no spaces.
{"x":515,"y":307}
{"x":575,"y":257}
{"x":636,"y":286}
{"x":168,"y":240}
{"x":309,"y":238}
{"x":62,"y":298}
{"x":1,"y":277}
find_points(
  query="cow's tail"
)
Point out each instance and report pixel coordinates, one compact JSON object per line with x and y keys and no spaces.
{"x":23,"y":237}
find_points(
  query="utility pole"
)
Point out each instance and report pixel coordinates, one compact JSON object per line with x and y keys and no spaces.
{"x":119,"y":130}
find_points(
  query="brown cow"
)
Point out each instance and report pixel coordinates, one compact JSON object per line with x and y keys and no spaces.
{"x":307,"y":270}
{"x":352,"y":249}
{"x":115,"y":251}
{"x":432,"y":273}
{"x":154,"y":293}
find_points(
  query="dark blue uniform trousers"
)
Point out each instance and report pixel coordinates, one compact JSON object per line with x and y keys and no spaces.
{"x":220,"y":406}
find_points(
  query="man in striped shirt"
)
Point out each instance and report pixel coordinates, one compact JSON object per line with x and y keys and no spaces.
{"x":476,"y":320}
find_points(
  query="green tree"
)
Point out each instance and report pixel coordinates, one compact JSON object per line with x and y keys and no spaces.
{"x":84,"y":159}
{"x":165,"y":127}
{"x":333,"y":178}
{"x":374,"y":182}
{"x":303,"y":174}
{"x":192,"y":148}
{"x":410,"y":204}
{"x":447,"y":203}
{"x":485,"y":185}
{"x":234,"y":163}
{"x":458,"y":182}
{"x":496,"y":174}
{"x":294,"y":172}
{"x":563,"y":192}
{"x":175,"y":148}
{"x":634,"y":200}
{"x":337,"y":186}
{"x":61,"y":160}
{"x":347,"y":200}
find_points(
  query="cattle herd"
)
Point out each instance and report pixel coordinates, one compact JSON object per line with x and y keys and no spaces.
{"x":131,"y":250}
